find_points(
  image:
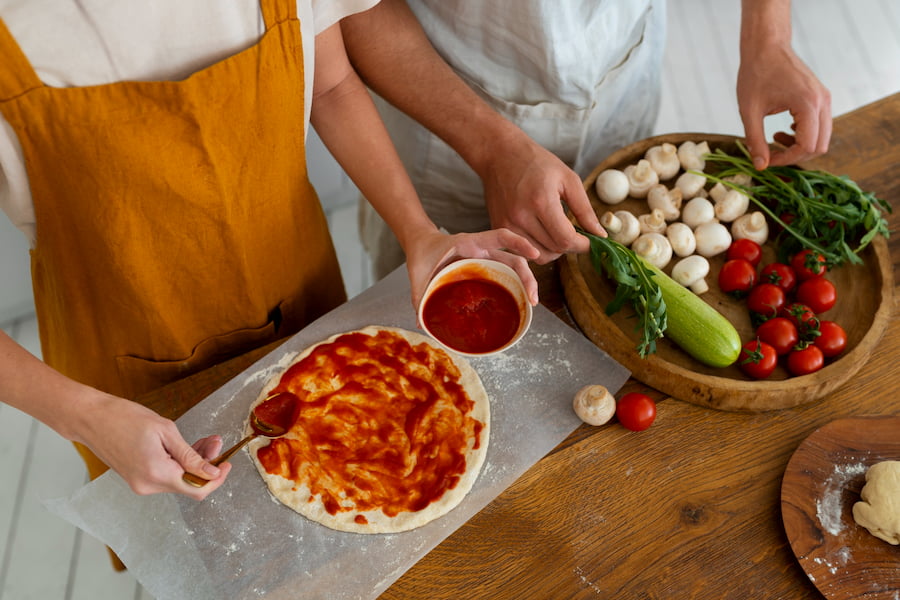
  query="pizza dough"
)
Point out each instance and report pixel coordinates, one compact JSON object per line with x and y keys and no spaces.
{"x":392,"y":432}
{"x":879,"y":511}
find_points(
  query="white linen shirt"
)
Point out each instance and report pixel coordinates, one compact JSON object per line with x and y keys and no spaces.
{"x":76,"y":43}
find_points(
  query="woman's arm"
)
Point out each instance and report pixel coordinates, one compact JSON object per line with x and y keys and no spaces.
{"x":349,"y":124}
{"x":144,"y":448}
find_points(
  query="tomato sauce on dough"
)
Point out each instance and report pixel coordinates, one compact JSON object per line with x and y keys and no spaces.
{"x":472,"y":315}
{"x":383,"y":425}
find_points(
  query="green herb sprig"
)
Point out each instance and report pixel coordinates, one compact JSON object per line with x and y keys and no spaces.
{"x":830,"y":213}
{"x":635,"y":285}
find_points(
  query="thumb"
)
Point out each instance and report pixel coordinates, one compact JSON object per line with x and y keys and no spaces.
{"x":189,"y":459}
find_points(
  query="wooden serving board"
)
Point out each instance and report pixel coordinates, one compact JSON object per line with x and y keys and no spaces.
{"x":821,"y":484}
{"x":865,"y":300}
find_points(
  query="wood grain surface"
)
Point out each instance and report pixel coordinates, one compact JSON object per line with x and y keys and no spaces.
{"x":688,"y":509}
{"x":821,"y":484}
{"x":864,"y":315}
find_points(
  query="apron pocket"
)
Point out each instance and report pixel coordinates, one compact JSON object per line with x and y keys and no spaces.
{"x":140,"y":375}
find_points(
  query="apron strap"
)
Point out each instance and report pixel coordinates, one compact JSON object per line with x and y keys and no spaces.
{"x":17,"y":75}
{"x":277,"y":11}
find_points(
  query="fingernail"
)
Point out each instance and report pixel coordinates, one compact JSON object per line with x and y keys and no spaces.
{"x":759,"y":163}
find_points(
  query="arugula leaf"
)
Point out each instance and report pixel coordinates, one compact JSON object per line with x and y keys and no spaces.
{"x":634,"y":284}
{"x":829,"y":212}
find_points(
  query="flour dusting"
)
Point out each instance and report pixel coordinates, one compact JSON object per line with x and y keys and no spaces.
{"x":829,"y":508}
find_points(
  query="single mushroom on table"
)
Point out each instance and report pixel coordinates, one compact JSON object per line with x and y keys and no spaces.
{"x":751,"y":226}
{"x":621,"y":225}
{"x":668,"y":201}
{"x":654,"y":248}
{"x":611,"y":186}
{"x":712,"y":238}
{"x":641,"y":177}
{"x":691,"y":272}
{"x":594,"y":404}
{"x":664,"y":160}
{"x":681,"y":237}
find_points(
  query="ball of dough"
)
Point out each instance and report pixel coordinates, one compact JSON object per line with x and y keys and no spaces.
{"x":879,"y":511}
{"x":594,"y":404}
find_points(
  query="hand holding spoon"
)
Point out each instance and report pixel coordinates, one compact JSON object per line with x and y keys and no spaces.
{"x":271,"y":418}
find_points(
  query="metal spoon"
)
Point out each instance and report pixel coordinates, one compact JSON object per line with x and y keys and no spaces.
{"x":272,"y":418}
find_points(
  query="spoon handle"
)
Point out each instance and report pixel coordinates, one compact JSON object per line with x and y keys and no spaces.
{"x":196,"y":481}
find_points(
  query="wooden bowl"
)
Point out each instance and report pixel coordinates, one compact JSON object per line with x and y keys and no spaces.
{"x":865,"y":299}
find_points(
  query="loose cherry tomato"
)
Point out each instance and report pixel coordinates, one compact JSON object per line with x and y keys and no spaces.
{"x":757,"y":359}
{"x":780,"y":274}
{"x":737,"y":277}
{"x":746,"y":249}
{"x":780,"y":333}
{"x":765,"y":300}
{"x":818,"y":294}
{"x":832,"y":338}
{"x":801,"y":316}
{"x":636,"y":411}
{"x":805,"y":360}
{"x":808,"y":264}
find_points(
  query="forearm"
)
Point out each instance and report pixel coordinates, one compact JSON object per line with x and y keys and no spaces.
{"x":765,"y":24}
{"x":31,"y":386}
{"x":348,"y":123}
{"x":392,"y":54}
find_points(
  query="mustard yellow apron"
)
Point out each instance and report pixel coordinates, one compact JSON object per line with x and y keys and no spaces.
{"x":176,"y":226}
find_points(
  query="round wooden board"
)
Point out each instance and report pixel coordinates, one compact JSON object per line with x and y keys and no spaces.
{"x":865,"y":299}
{"x":821,"y":483}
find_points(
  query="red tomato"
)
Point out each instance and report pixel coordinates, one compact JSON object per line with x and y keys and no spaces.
{"x":766,"y":300}
{"x":808,"y":264}
{"x":636,"y":411}
{"x":757,"y":359}
{"x":746,"y":249}
{"x":832,"y":339}
{"x":780,"y":333}
{"x":737,"y":277}
{"x":818,"y":294}
{"x":780,"y":274}
{"x":806,"y":360}
{"x":802,"y":316}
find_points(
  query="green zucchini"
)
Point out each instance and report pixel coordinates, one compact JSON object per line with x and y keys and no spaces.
{"x":697,"y":328}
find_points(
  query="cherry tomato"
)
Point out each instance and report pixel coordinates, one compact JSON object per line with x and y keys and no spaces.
{"x":780,"y":333}
{"x":766,"y":299}
{"x":746,"y":249}
{"x":832,"y":339}
{"x":636,"y":411}
{"x":808,"y":264}
{"x":801,"y":316}
{"x":806,"y":360}
{"x":817,"y":293}
{"x":757,"y":359}
{"x":780,"y":274}
{"x":737,"y":277}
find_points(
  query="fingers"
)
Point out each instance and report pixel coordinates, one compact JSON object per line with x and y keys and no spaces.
{"x":755,"y":134}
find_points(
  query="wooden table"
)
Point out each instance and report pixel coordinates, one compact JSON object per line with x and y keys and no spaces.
{"x":689,"y":509}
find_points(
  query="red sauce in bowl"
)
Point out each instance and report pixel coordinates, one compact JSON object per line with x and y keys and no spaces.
{"x":475,"y":316}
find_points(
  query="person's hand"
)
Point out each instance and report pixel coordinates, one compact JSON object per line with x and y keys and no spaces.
{"x":432,"y":250}
{"x":525,"y":187}
{"x":775,"y":80}
{"x":147,"y":450}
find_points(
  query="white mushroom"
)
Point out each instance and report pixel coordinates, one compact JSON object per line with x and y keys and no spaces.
{"x":698,"y":211}
{"x":712,"y":238}
{"x":741,"y":179}
{"x":653,"y":222}
{"x":611,"y":186}
{"x":733,"y":204}
{"x":718,"y":191}
{"x":668,"y":201}
{"x":691,"y":155}
{"x":641,"y":177}
{"x":681,"y":238}
{"x":752,"y":226}
{"x":654,"y":248}
{"x":690,"y":184}
{"x":621,"y":225}
{"x":691,"y":272}
{"x":594,"y":404}
{"x":664,"y":160}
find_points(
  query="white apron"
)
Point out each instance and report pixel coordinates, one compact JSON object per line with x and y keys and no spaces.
{"x":581,"y":77}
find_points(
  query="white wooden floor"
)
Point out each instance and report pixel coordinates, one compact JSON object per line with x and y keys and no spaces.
{"x":854,"y":47}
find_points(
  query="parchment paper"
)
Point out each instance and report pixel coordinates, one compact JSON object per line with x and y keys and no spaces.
{"x":240,"y":543}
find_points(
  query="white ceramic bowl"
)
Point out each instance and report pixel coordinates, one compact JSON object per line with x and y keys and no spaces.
{"x":468,"y":325}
